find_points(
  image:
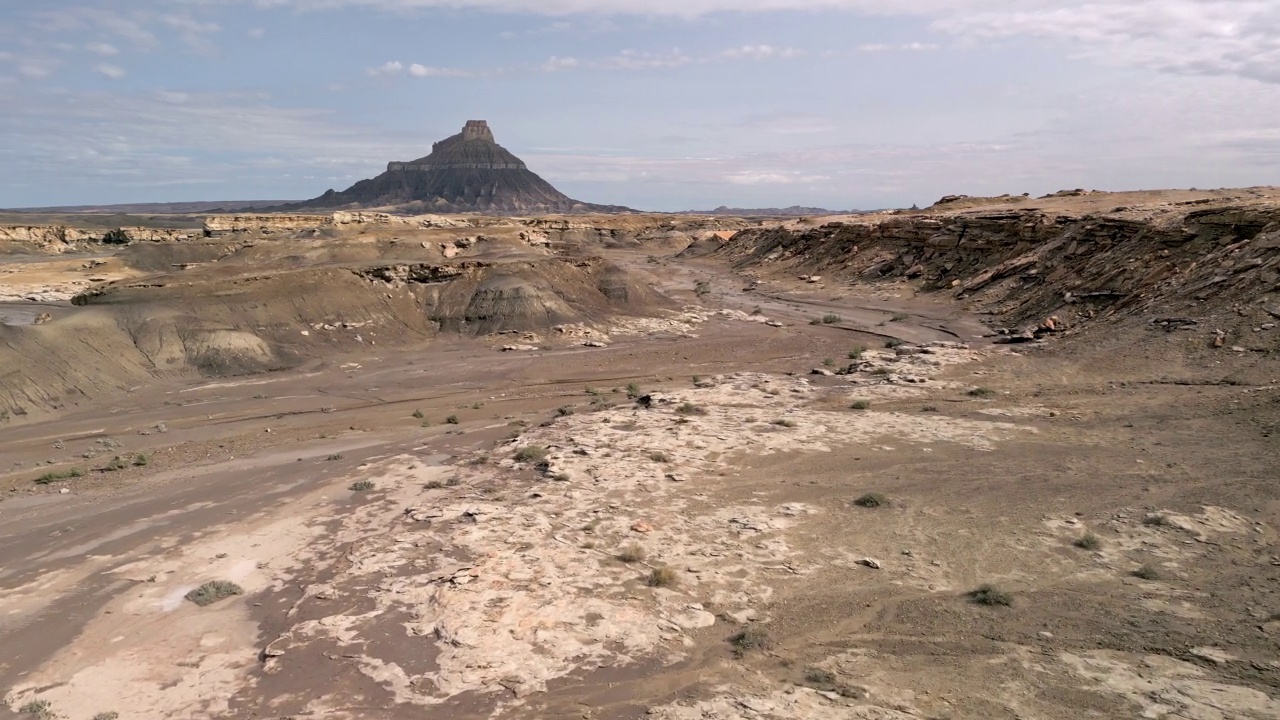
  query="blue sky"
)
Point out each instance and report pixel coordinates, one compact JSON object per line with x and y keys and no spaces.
{"x":663,"y":105}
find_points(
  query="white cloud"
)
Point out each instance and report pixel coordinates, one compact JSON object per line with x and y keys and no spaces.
{"x":127,"y":26}
{"x":908,"y":47}
{"x":114,"y":72}
{"x":761,"y":52}
{"x":101,"y":48}
{"x":256,"y":33}
{"x":417,"y":70}
{"x":390,"y":68}
{"x":37,"y":68}
{"x":758,"y":177}
{"x":193,"y":33}
{"x":640,"y":60}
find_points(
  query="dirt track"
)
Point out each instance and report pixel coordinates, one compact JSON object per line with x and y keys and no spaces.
{"x":466,"y":584}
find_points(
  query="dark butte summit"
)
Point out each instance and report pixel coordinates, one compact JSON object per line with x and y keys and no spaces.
{"x":468,"y":172}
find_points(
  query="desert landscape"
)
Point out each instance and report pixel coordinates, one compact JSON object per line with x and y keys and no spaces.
{"x":1000,"y":457}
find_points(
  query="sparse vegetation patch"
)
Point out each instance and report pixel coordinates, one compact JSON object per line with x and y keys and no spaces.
{"x":633,"y":552}
{"x":50,"y":477}
{"x":1147,"y":572}
{"x":750,"y":638}
{"x":362,"y":486}
{"x":872,"y":500}
{"x":1088,"y":541}
{"x":860,"y":405}
{"x":830,"y":319}
{"x":531,"y":453}
{"x":981,"y":392}
{"x":213,"y":591}
{"x":662,"y":577}
{"x":990,"y":595}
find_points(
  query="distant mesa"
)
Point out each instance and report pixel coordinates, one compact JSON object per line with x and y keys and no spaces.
{"x":468,"y":172}
{"x":772,"y":211}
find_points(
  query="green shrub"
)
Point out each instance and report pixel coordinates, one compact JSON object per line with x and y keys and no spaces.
{"x":752,"y":637}
{"x":689,"y":408}
{"x":1088,"y":541}
{"x":49,"y":477}
{"x":334,"y":456}
{"x":981,"y":392}
{"x":830,"y":319}
{"x":784,"y":422}
{"x":117,"y":463}
{"x":659,"y":457}
{"x":872,"y":500}
{"x":564,"y":411}
{"x":856,"y":353}
{"x":990,"y":595}
{"x":452,"y":420}
{"x":860,"y":405}
{"x":899,"y":317}
{"x":531,"y":453}
{"x":633,"y":390}
{"x":1147,"y":572}
{"x":141,"y":460}
{"x":213,"y":591}
{"x":361,"y":486}
{"x":418,"y":414}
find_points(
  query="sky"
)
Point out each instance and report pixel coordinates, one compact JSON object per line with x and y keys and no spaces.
{"x":656,"y":105}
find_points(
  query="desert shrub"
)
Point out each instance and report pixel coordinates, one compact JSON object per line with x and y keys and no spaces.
{"x":1088,"y":541}
{"x":452,"y":420}
{"x":564,"y":411}
{"x":49,"y":477}
{"x":662,"y":577}
{"x":860,"y":405}
{"x":113,"y":715}
{"x":434,"y":484}
{"x":899,"y":317}
{"x":872,"y":500}
{"x":361,"y":485}
{"x":334,"y":456}
{"x":453,"y":482}
{"x":631,"y":553}
{"x":141,"y":460}
{"x":701,"y":288}
{"x":990,"y":595}
{"x":659,"y":457}
{"x":892,"y":343}
{"x":1147,"y":572}
{"x":752,"y":637}
{"x":688,"y":408}
{"x":1155,"y":520}
{"x":829,"y":362}
{"x":816,"y":321}
{"x":633,"y":390}
{"x":830,"y":319}
{"x":213,"y":591}
{"x":981,"y":392}
{"x":856,"y":353}
{"x":784,"y":422}
{"x":117,"y":463}
{"x":531,"y":453}
{"x":929,"y":408}
{"x":418,"y":414}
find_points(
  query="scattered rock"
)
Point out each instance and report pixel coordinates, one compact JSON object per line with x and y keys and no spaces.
{"x":641,"y":527}
{"x":870,"y":562}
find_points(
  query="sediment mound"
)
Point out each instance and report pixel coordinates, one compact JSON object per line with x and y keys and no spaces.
{"x":225,"y":321}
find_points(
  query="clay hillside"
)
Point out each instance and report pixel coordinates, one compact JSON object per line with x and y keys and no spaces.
{"x":467,"y":172}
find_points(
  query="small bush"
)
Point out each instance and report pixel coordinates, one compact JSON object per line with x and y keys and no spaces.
{"x":49,"y":477}
{"x":452,"y":420}
{"x":856,"y":353}
{"x":929,"y":408}
{"x":697,"y":379}
{"x":418,"y":414}
{"x":880,"y":371}
{"x":830,"y":319}
{"x":752,"y":637}
{"x":213,"y":591}
{"x":42,"y":709}
{"x":1147,"y":572}
{"x":899,"y":317}
{"x":701,"y":288}
{"x":872,"y":500}
{"x":1088,"y":541}
{"x":829,"y":362}
{"x":783,"y":422}
{"x":1155,"y":520}
{"x":117,"y":463}
{"x":757,"y":310}
{"x":334,"y":456}
{"x":141,"y":460}
{"x":892,"y":343}
{"x":816,"y":321}
{"x":689,"y":408}
{"x":564,"y":411}
{"x":819,"y":677}
{"x":453,"y":482}
{"x":531,"y":453}
{"x":633,"y":390}
{"x":659,"y":457}
{"x":981,"y":392}
{"x":361,"y":485}
{"x":113,"y":715}
{"x":662,"y":577}
{"x":434,"y":484}
{"x":632,"y":553}
{"x":990,"y":595}
{"x":860,"y":405}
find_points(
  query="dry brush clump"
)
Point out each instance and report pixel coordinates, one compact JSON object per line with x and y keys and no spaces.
{"x":633,"y":552}
{"x":751,"y":638}
{"x":213,"y":591}
{"x":990,"y":595}
{"x":662,"y":577}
